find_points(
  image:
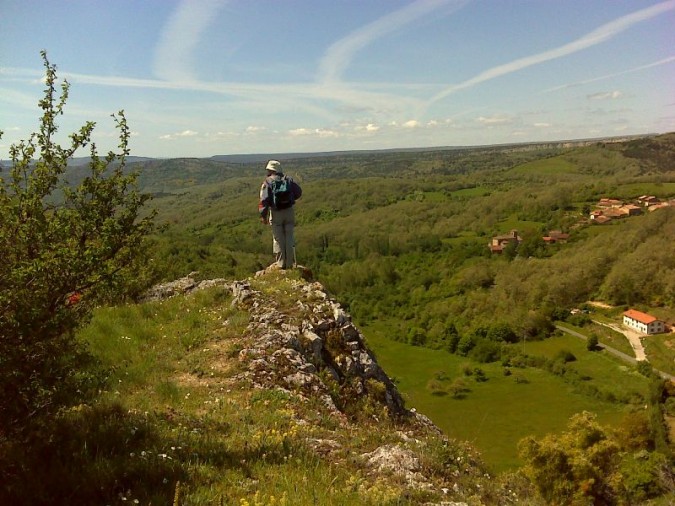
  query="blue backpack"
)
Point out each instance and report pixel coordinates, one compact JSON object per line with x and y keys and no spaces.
{"x":281,"y":192}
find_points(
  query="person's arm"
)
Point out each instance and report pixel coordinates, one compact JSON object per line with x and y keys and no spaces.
{"x":263,"y":204}
{"x":296,"y":189}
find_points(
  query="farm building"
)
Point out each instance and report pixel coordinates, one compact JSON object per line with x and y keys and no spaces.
{"x":500,"y":242}
{"x":556,"y":236}
{"x":643,"y":322}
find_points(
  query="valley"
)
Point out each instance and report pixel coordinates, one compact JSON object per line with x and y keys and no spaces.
{"x":402,"y":240}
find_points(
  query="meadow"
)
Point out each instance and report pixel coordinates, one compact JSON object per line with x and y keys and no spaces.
{"x":495,"y":414}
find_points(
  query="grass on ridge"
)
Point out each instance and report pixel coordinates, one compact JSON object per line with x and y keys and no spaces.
{"x":175,"y":424}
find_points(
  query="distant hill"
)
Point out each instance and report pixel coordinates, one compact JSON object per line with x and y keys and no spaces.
{"x":252,"y":158}
{"x":258,"y":157}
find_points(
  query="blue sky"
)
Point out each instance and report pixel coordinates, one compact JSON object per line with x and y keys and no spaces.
{"x":207,"y":77}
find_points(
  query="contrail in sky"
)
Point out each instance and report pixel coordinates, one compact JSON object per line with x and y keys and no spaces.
{"x":339,"y":55}
{"x":609,"y":76}
{"x":180,"y":36}
{"x":597,"y":36}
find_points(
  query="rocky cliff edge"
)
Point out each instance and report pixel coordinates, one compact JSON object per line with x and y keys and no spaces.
{"x":301,"y":342}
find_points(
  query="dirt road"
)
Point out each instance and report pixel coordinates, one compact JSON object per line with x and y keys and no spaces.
{"x":634,"y":338}
{"x":614,"y":352}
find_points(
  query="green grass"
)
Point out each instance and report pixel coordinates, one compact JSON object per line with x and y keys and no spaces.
{"x":496,"y":414}
{"x":660,"y":351}
{"x":174,"y":424}
{"x":634,"y":190}
{"x":606,"y":372}
{"x":522,"y":226}
{"x":434,"y":196}
{"x":606,"y":335}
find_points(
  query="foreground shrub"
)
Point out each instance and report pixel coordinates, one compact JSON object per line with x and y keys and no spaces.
{"x":65,"y":249}
{"x":588,"y":464}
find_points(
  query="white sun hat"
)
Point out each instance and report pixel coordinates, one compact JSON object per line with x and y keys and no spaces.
{"x":273,"y":165}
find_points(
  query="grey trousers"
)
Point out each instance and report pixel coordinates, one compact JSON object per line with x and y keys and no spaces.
{"x":283,"y":231}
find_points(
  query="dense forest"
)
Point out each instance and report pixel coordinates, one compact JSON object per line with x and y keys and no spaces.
{"x":404,"y":236}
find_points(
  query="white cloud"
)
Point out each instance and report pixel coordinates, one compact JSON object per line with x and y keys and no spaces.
{"x":413,"y":123}
{"x":184,"y":133}
{"x":23,"y":100}
{"x":180,"y":36}
{"x":605,"y":95}
{"x":370,"y":127}
{"x":255,"y":129}
{"x":494,"y":120}
{"x":314,"y":132}
{"x":663,"y":61}
{"x":542,"y":125}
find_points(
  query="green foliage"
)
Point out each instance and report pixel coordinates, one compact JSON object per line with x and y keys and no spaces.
{"x":592,"y":342}
{"x":643,"y":476}
{"x":486,"y":351}
{"x":565,"y":356}
{"x":416,"y":253}
{"x":65,"y":249}
{"x":588,"y":465}
{"x":465,"y":345}
{"x":645,"y":368}
{"x":579,"y":319}
{"x":502,"y":332}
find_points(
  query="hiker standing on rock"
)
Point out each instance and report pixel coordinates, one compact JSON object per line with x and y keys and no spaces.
{"x":278,"y":194}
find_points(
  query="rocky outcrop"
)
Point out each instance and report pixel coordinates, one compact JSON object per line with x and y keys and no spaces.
{"x":182,"y":286}
{"x":299,"y":342}
{"x":309,"y":344}
{"x":302,"y":341}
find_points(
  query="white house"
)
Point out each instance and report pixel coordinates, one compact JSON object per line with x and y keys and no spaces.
{"x":643,"y":322}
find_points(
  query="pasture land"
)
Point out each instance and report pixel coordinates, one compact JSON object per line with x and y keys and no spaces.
{"x":495,"y":414}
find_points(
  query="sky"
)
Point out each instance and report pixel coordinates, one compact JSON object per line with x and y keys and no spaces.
{"x":197,"y":78}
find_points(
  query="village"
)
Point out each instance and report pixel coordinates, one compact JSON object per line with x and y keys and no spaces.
{"x":635,"y":324}
{"x":606,"y":210}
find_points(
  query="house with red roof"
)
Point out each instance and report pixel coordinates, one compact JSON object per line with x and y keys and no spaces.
{"x":643,"y":322}
{"x":604,"y":202}
{"x":555,"y":236}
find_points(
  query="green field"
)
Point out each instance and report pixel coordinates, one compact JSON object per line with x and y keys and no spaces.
{"x":660,"y":350}
{"x":495,"y":414}
{"x":607,"y":373}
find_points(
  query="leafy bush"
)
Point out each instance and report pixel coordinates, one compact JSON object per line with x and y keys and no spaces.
{"x":486,"y":351}
{"x":592,"y":343}
{"x":465,"y":345}
{"x":588,"y":464}
{"x":502,"y":332}
{"x":579,"y":319}
{"x":565,"y":356}
{"x":65,"y":249}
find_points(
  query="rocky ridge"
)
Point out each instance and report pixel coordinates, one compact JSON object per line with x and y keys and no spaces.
{"x":302,"y":342}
